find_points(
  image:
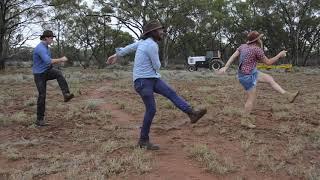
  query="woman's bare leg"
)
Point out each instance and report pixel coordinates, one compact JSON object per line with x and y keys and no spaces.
{"x":263,"y":77}
{"x":251,"y":98}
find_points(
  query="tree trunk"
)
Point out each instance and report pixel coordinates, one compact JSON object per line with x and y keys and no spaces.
{"x":58,"y":41}
{"x":165,"y":52}
{"x":2,"y":59}
{"x":2,"y":64}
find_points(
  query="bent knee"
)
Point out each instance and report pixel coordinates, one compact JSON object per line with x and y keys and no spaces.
{"x":60,"y":75}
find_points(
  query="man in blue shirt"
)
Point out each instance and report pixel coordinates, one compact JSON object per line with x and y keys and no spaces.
{"x":43,"y":71}
{"x":147,"y":80}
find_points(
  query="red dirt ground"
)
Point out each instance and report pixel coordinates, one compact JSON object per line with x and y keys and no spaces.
{"x":221,"y":132}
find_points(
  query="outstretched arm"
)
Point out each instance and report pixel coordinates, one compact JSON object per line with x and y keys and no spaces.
{"x":59,"y":60}
{"x":229,"y":62}
{"x":122,"y":52}
{"x":270,"y":61}
{"x":47,"y":59}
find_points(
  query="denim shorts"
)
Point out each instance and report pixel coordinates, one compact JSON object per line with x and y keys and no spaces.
{"x":248,"y":81}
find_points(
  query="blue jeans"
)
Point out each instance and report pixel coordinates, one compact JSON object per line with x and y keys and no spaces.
{"x":145,"y":87}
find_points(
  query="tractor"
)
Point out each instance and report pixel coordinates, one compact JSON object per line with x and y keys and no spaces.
{"x":212,"y":60}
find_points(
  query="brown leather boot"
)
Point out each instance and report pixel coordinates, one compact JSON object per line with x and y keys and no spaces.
{"x":246,"y":123}
{"x":196,"y":114}
{"x":291,"y":96}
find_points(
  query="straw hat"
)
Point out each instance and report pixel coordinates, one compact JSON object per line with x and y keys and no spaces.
{"x":151,"y":26}
{"x":253,"y":36}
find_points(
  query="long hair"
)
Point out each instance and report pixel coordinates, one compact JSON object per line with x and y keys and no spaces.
{"x":149,"y":34}
{"x":258,"y":43}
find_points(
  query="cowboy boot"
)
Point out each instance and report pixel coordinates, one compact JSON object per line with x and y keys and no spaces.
{"x":196,"y":114}
{"x":41,"y":122}
{"x":68,"y":97}
{"x":147,"y":145}
{"x":291,"y":96}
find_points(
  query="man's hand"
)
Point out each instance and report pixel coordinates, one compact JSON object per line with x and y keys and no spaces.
{"x":63,"y":59}
{"x":112,"y":59}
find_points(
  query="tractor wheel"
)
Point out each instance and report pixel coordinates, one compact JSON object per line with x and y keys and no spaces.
{"x":191,"y":68}
{"x":216,"y":64}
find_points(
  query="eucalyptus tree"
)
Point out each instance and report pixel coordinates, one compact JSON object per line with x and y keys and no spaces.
{"x":133,"y":15}
{"x":292,"y":25}
{"x":16,"y":16}
{"x":178,"y":16}
{"x":87,"y":31}
{"x":57,"y":15}
{"x":206,"y":18}
{"x":302,"y":23}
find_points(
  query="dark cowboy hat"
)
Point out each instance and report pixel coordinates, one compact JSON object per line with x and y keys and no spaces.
{"x":47,"y":33}
{"x":151,"y":26}
{"x":253,"y":36}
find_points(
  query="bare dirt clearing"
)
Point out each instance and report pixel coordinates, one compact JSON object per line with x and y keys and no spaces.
{"x":94,"y":135}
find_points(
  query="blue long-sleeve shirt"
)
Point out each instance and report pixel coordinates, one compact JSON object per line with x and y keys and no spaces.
{"x":146,"y":60}
{"x":41,"y":58}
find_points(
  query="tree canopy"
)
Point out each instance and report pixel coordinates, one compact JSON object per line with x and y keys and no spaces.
{"x":88,"y":33}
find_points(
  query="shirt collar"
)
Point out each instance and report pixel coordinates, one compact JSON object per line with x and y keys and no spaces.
{"x":45,"y":44}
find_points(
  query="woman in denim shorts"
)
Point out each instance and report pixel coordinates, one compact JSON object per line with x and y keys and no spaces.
{"x":249,"y":54}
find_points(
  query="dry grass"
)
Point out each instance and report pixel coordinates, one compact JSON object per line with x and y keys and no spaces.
{"x":247,"y":119}
{"x":232,"y":111}
{"x":210,"y":159}
{"x":211,"y":100}
{"x":138,"y":161}
{"x":20,"y":118}
{"x":281,"y":107}
{"x":12,"y":153}
{"x":295,"y":146}
{"x":92,"y":104}
{"x":110,"y":146}
{"x":206,"y":89}
{"x":281,"y":115}
{"x":247,"y":139}
{"x":17,"y":78}
{"x":284,"y":128}
{"x":313,"y":173}
{"x":266,"y":162}
{"x":202,"y":131}
{"x":86,"y":142}
{"x":102,"y":164}
{"x":30,"y":102}
{"x":315,"y":138}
